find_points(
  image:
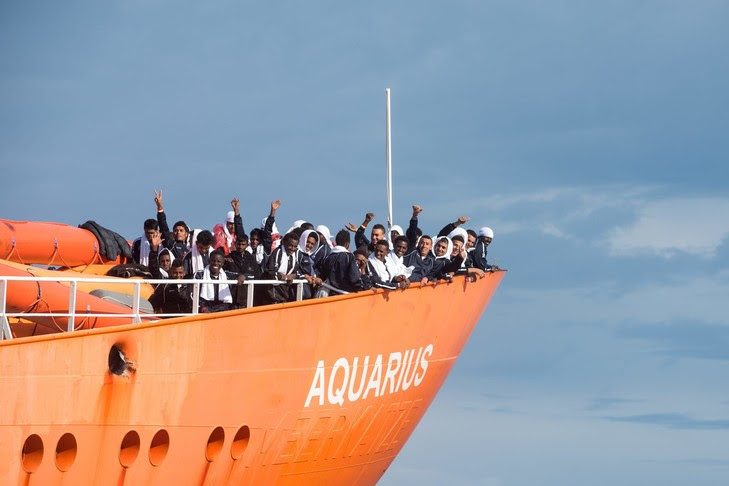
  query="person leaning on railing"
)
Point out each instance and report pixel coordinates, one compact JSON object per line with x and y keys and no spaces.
{"x":242,"y":262}
{"x":216,"y":297}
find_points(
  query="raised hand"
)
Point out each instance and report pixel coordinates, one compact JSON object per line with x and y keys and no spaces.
{"x":416,"y":210}
{"x":236,"y":205}
{"x":158,"y":199}
{"x":351,"y":227}
{"x":274,"y":206}
{"x":369,"y":217}
{"x":156,"y":241}
{"x":462,"y":220}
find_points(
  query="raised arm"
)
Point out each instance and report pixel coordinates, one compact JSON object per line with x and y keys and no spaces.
{"x":445,"y":231}
{"x":237,"y":219}
{"x":359,"y":237}
{"x":412,"y":231}
{"x":268,"y":227}
{"x":164,"y":228}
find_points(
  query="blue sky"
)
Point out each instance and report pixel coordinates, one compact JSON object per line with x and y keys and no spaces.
{"x":590,"y":135}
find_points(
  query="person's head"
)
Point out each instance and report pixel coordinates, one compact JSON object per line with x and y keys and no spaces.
{"x":343,"y":239}
{"x":424,"y":245}
{"x":306,"y":226}
{"x":486,"y":235}
{"x":325,"y":236}
{"x":180,"y":231}
{"x":472,"y":236}
{"x":382,"y":248}
{"x":298,"y":232}
{"x":204,"y":241}
{"x":150,"y":228}
{"x":217,"y":259}
{"x":290,"y":243}
{"x":441,"y":247}
{"x":165,"y":259}
{"x":230,"y":222}
{"x":400,"y":246}
{"x":256,"y":238}
{"x":241,"y":243}
{"x":395,"y":231}
{"x":457,"y":245}
{"x":361,"y":255}
{"x":177,"y":269}
{"x":378,"y":233}
{"x":309,"y":242}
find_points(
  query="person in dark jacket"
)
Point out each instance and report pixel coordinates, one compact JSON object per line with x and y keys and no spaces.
{"x":283,"y":265}
{"x":339,"y":269}
{"x":444,"y":266}
{"x":243,"y":263}
{"x":176,"y":240}
{"x":478,"y":255}
{"x":421,"y":260}
{"x":172,"y":298}
{"x":261,"y":239}
{"x":199,"y":257}
{"x":140,"y":246}
{"x":413,"y":233}
{"x":378,"y":233}
{"x":216,"y":297}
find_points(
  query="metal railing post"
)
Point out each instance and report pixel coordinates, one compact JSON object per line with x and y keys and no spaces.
{"x":71,"y":305}
{"x":299,"y":291}
{"x":5,"y":332}
{"x":195,"y":297}
{"x":249,"y":289}
{"x":135,"y":303}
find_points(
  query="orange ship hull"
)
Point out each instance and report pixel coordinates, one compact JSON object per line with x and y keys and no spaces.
{"x":324,"y":391}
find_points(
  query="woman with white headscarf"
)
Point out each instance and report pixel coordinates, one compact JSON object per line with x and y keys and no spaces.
{"x":308,"y":244}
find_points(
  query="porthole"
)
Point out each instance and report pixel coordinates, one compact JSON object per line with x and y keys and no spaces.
{"x":32,"y":454}
{"x":240,"y":442}
{"x":129,"y":449}
{"x":158,"y":447}
{"x":215,"y":444}
{"x":66,"y":451}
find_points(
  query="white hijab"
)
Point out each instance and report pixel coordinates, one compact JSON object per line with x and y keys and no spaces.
{"x":302,"y":242}
{"x":327,"y":234}
{"x":397,"y":228}
{"x":230,"y":218}
{"x":207,"y":291}
{"x":459,"y":231}
{"x":449,"y":250}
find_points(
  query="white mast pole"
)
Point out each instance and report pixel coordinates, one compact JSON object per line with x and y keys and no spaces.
{"x":388,"y":162}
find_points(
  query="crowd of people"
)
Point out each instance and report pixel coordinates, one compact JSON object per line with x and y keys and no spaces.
{"x":305,"y":253}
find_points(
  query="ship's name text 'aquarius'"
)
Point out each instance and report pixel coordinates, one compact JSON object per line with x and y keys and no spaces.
{"x":344,"y":385}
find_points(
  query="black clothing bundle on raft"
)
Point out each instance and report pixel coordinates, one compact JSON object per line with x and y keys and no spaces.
{"x":111,"y":244}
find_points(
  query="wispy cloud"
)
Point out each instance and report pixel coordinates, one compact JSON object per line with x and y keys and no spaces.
{"x":603,"y":403}
{"x":668,"y":226}
{"x":626,"y":220}
{"x":673,"y":421}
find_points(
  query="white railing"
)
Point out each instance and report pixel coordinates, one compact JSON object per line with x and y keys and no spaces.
{"x":136,"y":315}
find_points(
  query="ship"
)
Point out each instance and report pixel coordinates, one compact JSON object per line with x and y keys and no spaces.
{"x":320,"y":391}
